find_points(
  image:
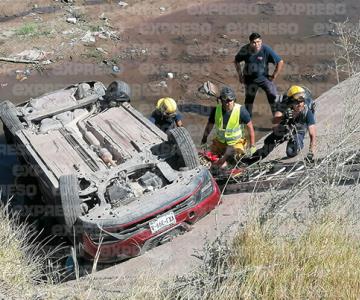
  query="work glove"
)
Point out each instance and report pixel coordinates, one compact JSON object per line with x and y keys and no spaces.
{"x":250,"y":151}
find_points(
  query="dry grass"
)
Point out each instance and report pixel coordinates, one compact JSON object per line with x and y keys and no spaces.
{"x":283,"y":256}
{"x":347,"y":45}
{"x":312,"y":266}
{"x":24,"y":271}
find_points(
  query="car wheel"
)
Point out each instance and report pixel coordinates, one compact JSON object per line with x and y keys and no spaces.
{"x":118,"y":91}
{"x":185,"y":147}
{"x":12,"y":124}
{"x":70,"y":200}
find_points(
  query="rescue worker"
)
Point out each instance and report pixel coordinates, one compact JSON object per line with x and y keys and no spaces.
{"x":166,"y":115}
{"x":294,"y":116}
{"x":255,"y":73}
{"x":228,"y":118}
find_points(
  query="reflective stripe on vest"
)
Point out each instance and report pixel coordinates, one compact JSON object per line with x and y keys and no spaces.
{"x":234,"y":129}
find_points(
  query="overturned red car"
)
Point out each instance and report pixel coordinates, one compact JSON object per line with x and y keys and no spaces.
{"x":122,"y":184}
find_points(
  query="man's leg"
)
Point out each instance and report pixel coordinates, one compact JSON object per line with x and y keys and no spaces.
{"x":270,"y":142}
{"x":274,"y":139}
{"x":295,"y":144}
{"x":250,"y":93}
{"x":269,"y":88}
{"x":240,"y":149}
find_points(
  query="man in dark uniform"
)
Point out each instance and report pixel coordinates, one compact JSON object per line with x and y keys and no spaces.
{"x":255,"y":73}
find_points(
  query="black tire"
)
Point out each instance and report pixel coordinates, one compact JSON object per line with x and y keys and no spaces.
{"x":70,"y":200}
{"x":185,"y":148}
{"x":11,"y":122}
{"x":118,"y":91}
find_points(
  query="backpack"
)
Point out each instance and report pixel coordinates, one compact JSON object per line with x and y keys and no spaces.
{"x":309,"y":100}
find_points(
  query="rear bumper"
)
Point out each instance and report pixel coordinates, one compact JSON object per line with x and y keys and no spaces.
{"x":144,"y":239}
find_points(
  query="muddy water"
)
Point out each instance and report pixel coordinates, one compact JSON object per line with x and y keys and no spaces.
{"x":38,"y":10}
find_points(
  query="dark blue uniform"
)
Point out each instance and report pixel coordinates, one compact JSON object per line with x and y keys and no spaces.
{"x":256,"y":73}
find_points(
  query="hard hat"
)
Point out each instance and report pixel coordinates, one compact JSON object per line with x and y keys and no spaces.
{"x":166,"y":105}
{"x":295,"y":91}
{"x":227,"y":93}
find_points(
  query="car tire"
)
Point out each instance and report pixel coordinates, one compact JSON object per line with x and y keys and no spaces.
{"x":185,"y":147}
{"x":12,"y":124}
{"x":118,"y":91}
{"x":70,"y":200}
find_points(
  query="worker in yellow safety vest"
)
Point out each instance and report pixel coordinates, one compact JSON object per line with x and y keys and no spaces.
{"x":229,"y":119}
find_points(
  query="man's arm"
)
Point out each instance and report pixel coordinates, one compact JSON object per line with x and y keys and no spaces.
{"x":240,"y":57}
{"x":178,"y":120}
{"x":312,"y":134}
{"x":229,"y":152}
{"x":208,"y":128}
{"x":278,"y":68}
{"x":251,"y":133}
{"x":239,"y":71}
{"x":277,"y":118}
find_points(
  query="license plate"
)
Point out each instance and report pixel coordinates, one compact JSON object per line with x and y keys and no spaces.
{"x":162,"y":222}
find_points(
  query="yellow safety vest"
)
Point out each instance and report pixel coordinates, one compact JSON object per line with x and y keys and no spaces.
{"x":234,"y":130}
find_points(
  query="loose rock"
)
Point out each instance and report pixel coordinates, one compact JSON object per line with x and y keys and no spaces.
{"x":88,"y":38}
{"x":102,"y":50}
{"x":162,"y":84}
{"x":123,"y":4}
{"x":68,"y":32}
{"x":102,"y":17}
{"x":33,"y":54}
{"x":116,"y":69}
{"x":71,"y":20}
